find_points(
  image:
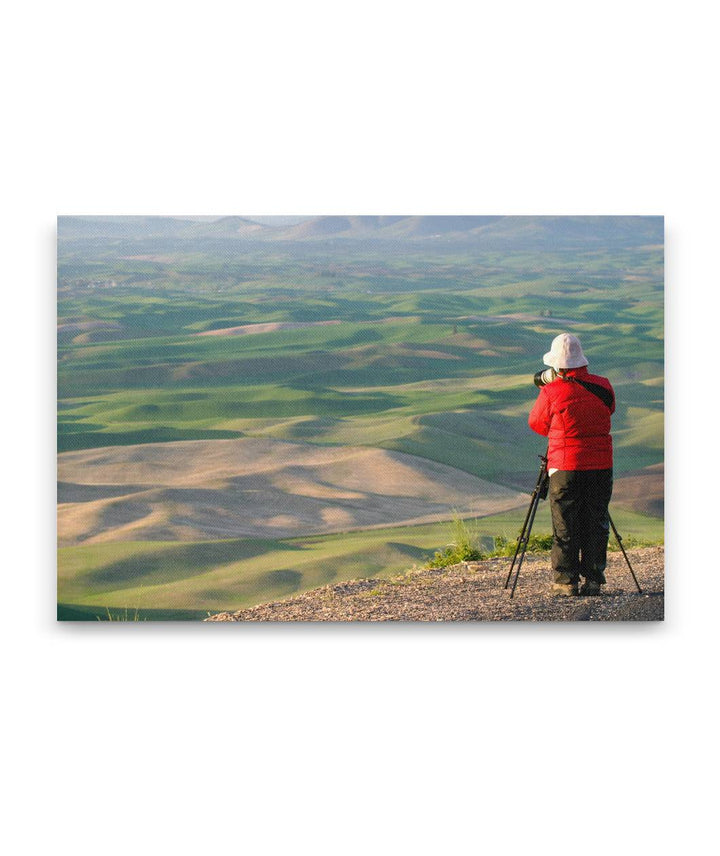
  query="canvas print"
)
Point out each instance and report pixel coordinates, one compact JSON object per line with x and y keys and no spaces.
{"x":360,"y":418}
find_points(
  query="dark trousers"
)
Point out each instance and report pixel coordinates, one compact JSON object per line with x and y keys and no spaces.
{"x":579,"y":502}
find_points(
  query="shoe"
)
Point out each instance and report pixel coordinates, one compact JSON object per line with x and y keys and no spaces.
{"x":564,"y":589}
{"x":590,"y":587}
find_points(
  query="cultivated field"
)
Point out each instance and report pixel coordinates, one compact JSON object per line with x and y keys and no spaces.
{"x":259,"y":488}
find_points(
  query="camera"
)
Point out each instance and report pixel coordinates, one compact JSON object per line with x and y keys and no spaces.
{"x":544,"y":376}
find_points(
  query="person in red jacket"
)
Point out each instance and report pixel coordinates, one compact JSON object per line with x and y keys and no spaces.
{"x":573,"y":411}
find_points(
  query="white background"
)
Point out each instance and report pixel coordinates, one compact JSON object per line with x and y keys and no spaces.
{"x":500,"y":739}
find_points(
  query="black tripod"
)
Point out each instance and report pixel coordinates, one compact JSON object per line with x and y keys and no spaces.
{"x":541,"y":492}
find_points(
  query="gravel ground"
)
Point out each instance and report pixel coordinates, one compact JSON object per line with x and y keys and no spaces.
{"x":474,"y":591}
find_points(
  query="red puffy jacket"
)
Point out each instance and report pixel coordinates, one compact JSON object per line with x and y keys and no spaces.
{"x":576,"y":422}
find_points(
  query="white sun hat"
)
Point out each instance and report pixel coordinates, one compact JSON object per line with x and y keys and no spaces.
{"x":565,"y":353}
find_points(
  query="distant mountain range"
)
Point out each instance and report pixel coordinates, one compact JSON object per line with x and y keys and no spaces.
{"x":490,"y":231}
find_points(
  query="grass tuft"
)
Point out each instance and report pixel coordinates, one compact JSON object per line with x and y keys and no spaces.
{"x":121,"y":615}
{"x":466,"y":547}
{"x":463,"y":548}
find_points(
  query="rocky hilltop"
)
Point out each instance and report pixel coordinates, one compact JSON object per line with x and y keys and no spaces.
{"x":474,"y":591}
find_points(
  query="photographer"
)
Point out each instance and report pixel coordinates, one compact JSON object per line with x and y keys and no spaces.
{"x":573,"y":411}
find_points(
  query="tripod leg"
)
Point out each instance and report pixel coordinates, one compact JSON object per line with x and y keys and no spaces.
{"x":618,"y":538}
{"x":539,"y":485}
{"x":521,"y":538}
{"x":526,"y":539}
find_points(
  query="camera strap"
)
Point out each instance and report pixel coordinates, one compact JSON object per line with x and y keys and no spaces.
{"x":601,"y":392}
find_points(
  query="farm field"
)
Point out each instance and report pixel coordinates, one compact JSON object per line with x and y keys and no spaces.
{"x":260,"y":487}
{"x":223,"y":393}
{"x":191,"y":579}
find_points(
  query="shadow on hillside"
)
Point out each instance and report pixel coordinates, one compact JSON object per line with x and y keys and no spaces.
{"x":178,"y":562}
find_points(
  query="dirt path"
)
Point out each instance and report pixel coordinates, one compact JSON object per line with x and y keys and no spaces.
{"x":473,"y":591}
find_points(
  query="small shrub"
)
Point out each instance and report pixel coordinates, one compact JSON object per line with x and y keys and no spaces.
{"x":631,"y":541}
{"x":539,"y":543}
{"x":463,"y":547}
{"x":504,"y":547}
{"x":453,"y":555}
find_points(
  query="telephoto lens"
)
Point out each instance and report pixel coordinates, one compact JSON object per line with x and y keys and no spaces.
{"x":544,"y":376}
